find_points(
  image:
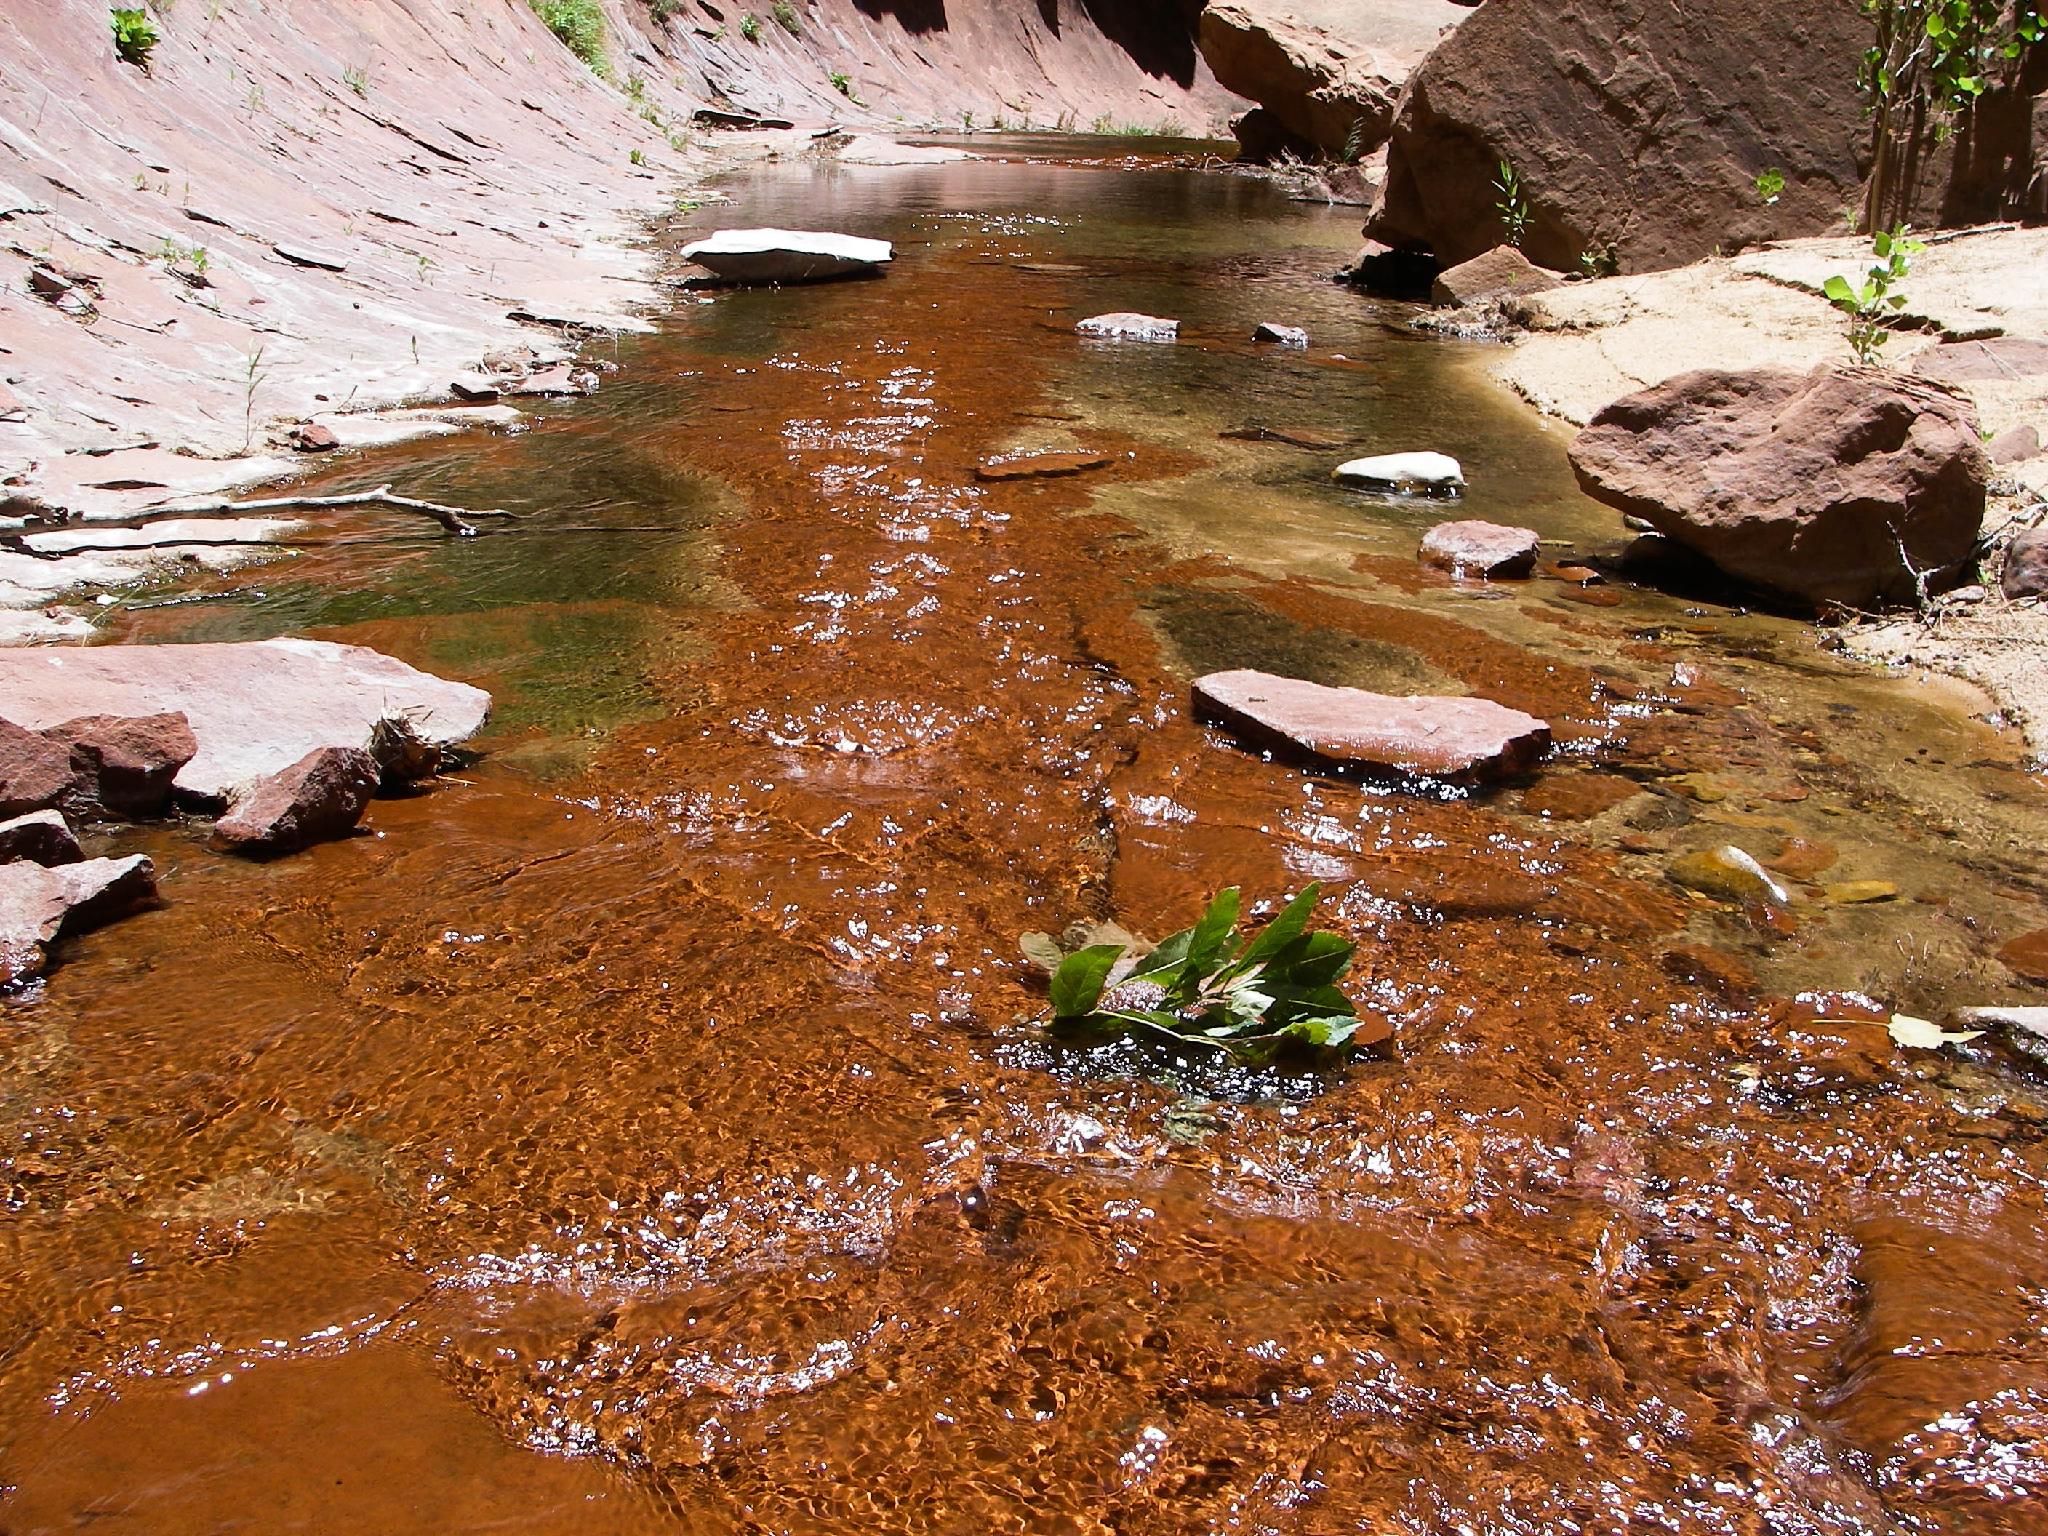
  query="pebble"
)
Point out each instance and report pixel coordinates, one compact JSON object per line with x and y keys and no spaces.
{"x":1728,"y":874}
{"x":1856,"y":893}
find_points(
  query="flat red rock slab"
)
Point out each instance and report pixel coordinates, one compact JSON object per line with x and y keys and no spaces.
{"x":1456,"y":740}
{"x":1474,"y":547}
{"x":1038,"y":466}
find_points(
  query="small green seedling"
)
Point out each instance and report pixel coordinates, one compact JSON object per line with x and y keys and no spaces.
{"x":1871,"y":303}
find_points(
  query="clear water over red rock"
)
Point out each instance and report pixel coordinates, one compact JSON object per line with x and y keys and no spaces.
{"x":640,"y":1132}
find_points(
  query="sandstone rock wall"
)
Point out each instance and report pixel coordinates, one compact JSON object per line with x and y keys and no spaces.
{"x":1640,"y":127}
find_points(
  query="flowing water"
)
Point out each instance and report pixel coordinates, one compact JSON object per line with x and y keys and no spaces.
{"x":642,"y":1129}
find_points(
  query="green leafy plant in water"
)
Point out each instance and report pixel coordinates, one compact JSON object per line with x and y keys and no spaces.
{"x":786,"y":17}
{"x":579,"y":24}
{"x":1249,"y":998}
{"x":134,"y":35}
{"x":1770,"y":186}
{"x":1512,"y":206}
{"x":750,"y":27}
{"x":1871,"y":302}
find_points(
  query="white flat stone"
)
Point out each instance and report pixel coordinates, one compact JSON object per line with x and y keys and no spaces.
{"x":1421,"y":474}
{"x":786,"y":255}
{"x":1126,"y":325}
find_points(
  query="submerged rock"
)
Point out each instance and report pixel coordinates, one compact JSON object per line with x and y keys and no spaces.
{"x":1280,"y":335}
{"x":1419,"y":474}
{"x":41,"y":837}
{"x":2027,"y":955}
{"x":1126,"y":325}
{"x":1452,"y":739}
{"x":1843,"y":485}
{"x":38,"y":903}
{"x":787,"y":255}
{"x":1854,"y":893}
{"x":1038,"y":466}
{"x":255,"y":708}
{"x":322,"y":795}
{"x":1728,"y":874}
{"x":1475,"y":547}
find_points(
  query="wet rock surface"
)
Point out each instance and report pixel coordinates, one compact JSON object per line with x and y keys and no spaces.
{"x":1038,"y":466}
{"x":1457,"y":740}
{"x":1418,"y":474}
{"x":323,"y":795}
{"x":254,"y":709}
{"x":1279,"y":335}
{"x":1727,"y":873}
{"x":1475,"y":547}
{"x":1126,"y":325}
{"x":39,"y":902}
{"x":1847,"y":486}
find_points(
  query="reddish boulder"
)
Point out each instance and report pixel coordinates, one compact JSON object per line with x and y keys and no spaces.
{"x":34,"y":771}
{"x":2026,"y":565}
{"x":1475,"y":547}
{"x":1501,"y":273}
{"x":322,"y":795}
{"x":41,"y":837}
{"x":2015,"y":445}
{"x":1447,"y":739}
{"x":1843,"y":485}
{"x":36,"y":904}
{"x":126,"y":763}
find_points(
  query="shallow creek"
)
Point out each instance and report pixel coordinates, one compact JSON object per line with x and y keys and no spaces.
{"x":639,"y":1132}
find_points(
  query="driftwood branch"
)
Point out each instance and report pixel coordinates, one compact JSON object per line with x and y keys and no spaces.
{"x":454,"y":519}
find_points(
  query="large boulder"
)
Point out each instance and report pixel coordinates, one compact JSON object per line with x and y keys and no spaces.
{"x":256,"y":707}
{"x":38,"y":903}
{"x":1443,"y":739}
{"x":1640,"y":127}
{"x":786,"y":255}
{"x":35,"y":771}
{"x":1844,"y":485}
{"x":322,"y":795}
{"x":1325,"y":73}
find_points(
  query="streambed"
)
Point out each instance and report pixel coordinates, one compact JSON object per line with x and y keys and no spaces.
{"x":637,"y":1132}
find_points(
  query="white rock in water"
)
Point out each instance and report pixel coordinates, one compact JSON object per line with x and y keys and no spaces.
{"x":1424,"y":474}
{"x":2028,"y":1021}
{"x":1124,"y":325}
{"x":1283,"y":335}
{"x":786,"y":255}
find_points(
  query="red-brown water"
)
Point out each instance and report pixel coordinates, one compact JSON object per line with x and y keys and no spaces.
{"x":642,"y":1130}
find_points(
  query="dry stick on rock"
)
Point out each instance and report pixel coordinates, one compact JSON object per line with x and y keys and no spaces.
{"x":454,"y":519}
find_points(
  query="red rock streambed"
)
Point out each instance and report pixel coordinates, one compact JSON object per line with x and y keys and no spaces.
{"x":640,"y":1136}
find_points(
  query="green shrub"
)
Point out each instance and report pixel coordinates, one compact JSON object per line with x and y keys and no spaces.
{"x":134,"y":35}
{"x":580,"y":26}
{"x":1870,"y":303}
{"x":842,"y":83}
{"x":750,"y":27}
{"x":786,"y":18}
{"x":1250,"y":999}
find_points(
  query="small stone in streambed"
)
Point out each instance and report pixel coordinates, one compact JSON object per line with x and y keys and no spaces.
{"x":473,"y":386}
{"x":1433,"y":738}
{"x":311,"y":437}
{"x":1802,"y":858}
{"x":1414,"y":474}
{"x":1713,"y":971}
{"x":1728,"y":874}
{"x":126,"y":762}
{"x":37,"y":903}
{"x":1577,"y":796}
{"x":1701,"y":787}
{"x":1038,"y":466}
{"x":1856,"y":893}
{"x":321,"y":796}
{"x":1501,"y":273}
{"x":1280,"y":335}
{"x":2027,"y":955}
{"x":41,"y":837}
{"x":1474,"y":547}
{"x":1125,"y":325}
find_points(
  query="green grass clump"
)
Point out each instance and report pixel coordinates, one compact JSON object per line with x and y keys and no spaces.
{"x":785,"y":18}
{"x":580,"y":26}
{"x":750,"y":27}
